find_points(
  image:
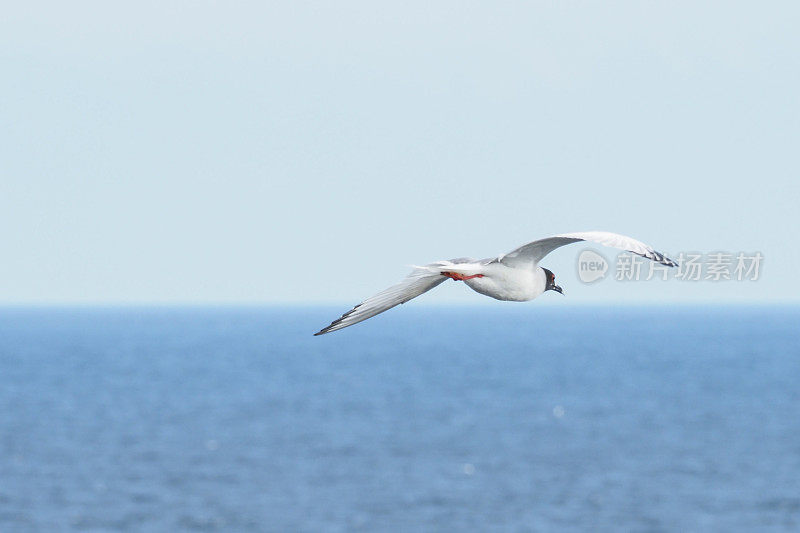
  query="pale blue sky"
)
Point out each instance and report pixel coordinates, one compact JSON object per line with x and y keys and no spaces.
{"x":307,"y":152}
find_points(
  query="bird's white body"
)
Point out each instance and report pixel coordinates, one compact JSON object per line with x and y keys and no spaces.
{"x":515,"y":276}
{"x":509,"y":284}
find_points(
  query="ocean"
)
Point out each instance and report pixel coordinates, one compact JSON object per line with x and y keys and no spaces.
{"x":515,"y":417}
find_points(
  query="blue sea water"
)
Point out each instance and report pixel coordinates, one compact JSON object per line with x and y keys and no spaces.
{"x":499,"y":418}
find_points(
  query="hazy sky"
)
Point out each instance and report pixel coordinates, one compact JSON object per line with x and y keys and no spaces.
{"x":309,"y":152}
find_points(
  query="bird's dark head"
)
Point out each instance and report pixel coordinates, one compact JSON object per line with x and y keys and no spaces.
{"x":550,"y":285}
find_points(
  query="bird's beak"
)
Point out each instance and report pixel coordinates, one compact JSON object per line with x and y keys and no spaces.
{"x":558,"y":289}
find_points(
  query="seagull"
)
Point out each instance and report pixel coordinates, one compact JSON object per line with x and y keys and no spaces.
{"x":515,"y":276}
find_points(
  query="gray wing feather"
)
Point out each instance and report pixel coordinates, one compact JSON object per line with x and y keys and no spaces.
{"x":419,"y":281}
{"x":533,"y":252}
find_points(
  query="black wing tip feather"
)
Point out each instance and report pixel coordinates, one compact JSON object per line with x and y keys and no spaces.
{"x":658,"y":257}
{"x":336,"y":322}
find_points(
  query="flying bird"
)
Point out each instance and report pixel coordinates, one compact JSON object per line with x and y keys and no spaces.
{"x":515,"y":276}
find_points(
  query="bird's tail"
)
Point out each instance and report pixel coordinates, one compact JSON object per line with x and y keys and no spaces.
{"x":467,"y":267}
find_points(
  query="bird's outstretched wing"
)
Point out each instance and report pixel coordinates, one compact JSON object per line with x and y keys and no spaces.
{"x":533,"y":252}
{"x":421,"y":280}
